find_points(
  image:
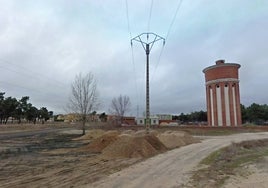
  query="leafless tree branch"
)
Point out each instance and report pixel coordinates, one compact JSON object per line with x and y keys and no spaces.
{"x":119,"y":106}
{"x":84,"y":97}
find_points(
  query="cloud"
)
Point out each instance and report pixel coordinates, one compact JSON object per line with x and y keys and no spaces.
{"x":44,"y":44}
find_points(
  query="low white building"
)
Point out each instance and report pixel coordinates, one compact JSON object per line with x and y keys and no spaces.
{"x":141,"y":120}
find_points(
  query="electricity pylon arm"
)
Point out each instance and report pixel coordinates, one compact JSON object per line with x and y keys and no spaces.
{"x":147,"y":45}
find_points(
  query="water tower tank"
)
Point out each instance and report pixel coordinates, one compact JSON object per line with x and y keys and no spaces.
{"x":222,"y":94}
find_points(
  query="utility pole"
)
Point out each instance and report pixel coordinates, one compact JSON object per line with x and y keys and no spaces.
{"x":147,"y":41}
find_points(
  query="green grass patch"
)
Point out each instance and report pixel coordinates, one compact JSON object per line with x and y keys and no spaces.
{"x":223,"y":163}
{"x":211,"y":158}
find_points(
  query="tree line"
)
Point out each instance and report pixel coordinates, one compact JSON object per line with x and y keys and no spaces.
{"x":197,"y":116}
{"x":255,"y":113}
{"x":21,"y":109}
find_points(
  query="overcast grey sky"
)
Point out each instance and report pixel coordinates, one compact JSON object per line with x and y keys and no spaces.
{"x":45,"y":43}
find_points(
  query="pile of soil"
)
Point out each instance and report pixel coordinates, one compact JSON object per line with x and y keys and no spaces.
{"x":175,"y":139}
{"x":144,"y":132}
{"x":131,"y":146}
{"x":99,"y":143}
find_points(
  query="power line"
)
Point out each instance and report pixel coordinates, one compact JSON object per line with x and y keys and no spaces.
{"x":174,"y":18}
{"x":34,"y":74}
{"x":38,"y":93}
{"x":168,"y":32}
{"x":8,"y":69}
{"x":19,"y":86}
{"x":150,"y":15}
{"x":31,"y":76}
{"x":30,"y":89}
{"x":136,"y":82}
{"x":139,"y":39}
{"x":157,"y":63}
{"x":132,"y":57}
{"x":128,"y":25}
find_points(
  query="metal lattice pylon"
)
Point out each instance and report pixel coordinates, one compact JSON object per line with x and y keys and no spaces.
{"x":147,"y":45}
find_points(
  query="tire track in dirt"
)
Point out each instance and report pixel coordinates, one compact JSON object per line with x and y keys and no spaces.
{"x":173,"y":168}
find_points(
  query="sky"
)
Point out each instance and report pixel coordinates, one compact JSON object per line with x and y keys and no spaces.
{"x":44,"y":44}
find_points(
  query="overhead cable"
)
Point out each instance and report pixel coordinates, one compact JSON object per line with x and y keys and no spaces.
{"x":150,"y":15}
{"x":168,"y":32}
{"x":174,"y":18}
{"x":132,"y":53}
{"x":128,"y":25}
{"x":29,"y":73}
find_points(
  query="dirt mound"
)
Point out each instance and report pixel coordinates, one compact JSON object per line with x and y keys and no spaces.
{"x":128,"y":132}
{"x":138,"y":144}
{"x":129,"y":146}
{"x":175,"y":139}
{"x":98,"y":144}
{"x":144,"y":132}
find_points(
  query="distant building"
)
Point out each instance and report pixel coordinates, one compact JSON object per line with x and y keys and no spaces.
{"x":127,"y":120}
{"x":75,"y":117}
{"x":72,"y":117}
{"x":166,"y":119}
{"x":60,"y":117}
{"x":141,"y":120}
{"x":222,"y":94}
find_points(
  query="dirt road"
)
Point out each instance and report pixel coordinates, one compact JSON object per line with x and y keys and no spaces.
{"x":173,"y":168}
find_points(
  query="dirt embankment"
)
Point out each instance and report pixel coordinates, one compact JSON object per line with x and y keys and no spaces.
{"x":230,"y":162}
{"x":253,"y":170}
{"x":173,"y":168}
{"x":254,"y":175}
{"x":131,"y":144}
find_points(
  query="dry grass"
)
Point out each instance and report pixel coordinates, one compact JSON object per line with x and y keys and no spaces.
{"x":222,"y":164}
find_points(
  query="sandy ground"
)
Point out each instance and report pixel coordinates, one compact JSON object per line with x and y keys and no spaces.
{"x":254,"y":175}
{"x":77,"y":167}
{"x":64,"y":167}
{"x":56,"y":158}
{"x":173,"y":168}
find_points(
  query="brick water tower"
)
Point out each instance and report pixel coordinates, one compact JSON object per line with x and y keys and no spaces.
{"x":222,"y":94}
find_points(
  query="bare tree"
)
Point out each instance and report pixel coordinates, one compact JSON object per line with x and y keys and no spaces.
{"x":119,"y":106}
{"x":84,"y":97}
